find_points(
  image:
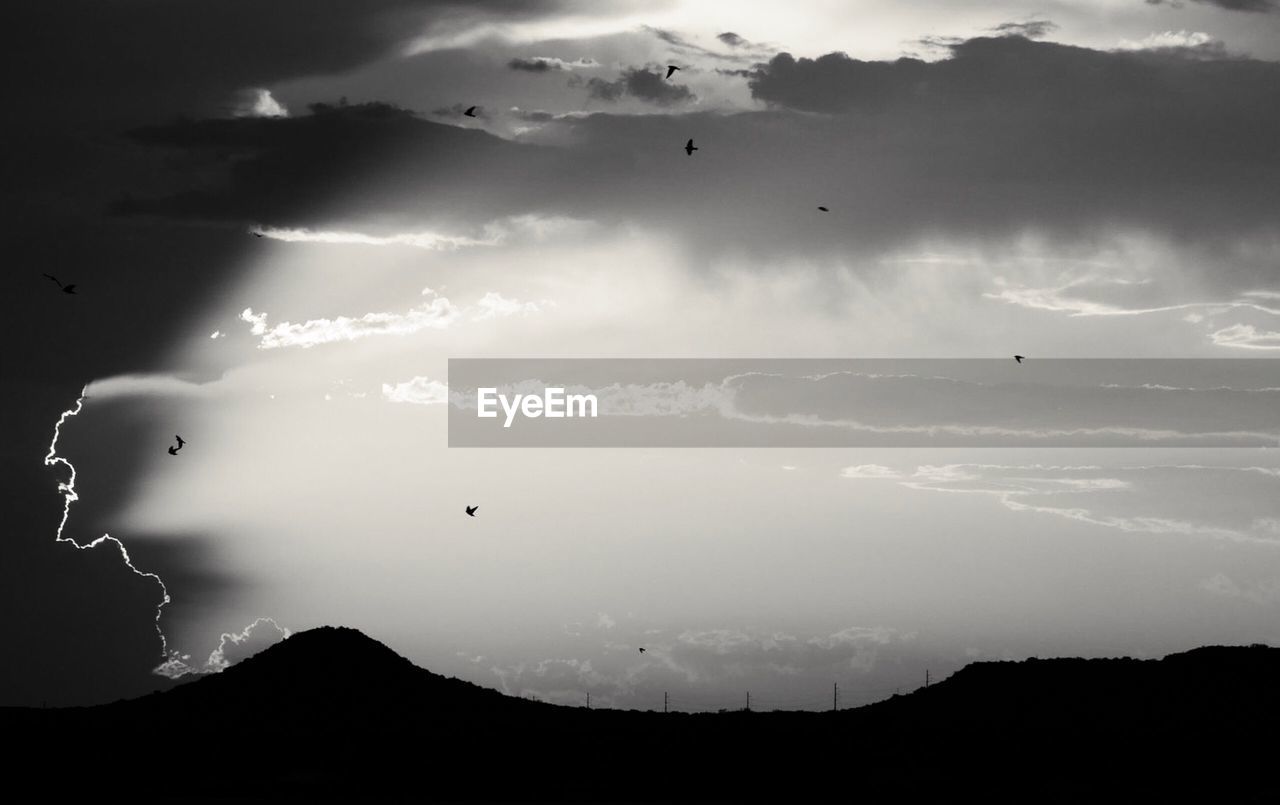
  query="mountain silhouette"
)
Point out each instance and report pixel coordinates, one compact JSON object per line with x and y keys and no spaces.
{"x":330,"y":712}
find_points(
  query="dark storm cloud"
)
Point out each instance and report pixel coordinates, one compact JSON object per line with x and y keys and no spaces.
{"x":1052,"y":135}
{"x":602,"y":90}
{"x":1230,"y":5}
{"x":189,"y":54}
{"x":643,"y":83}
{"x":546,"y":64}
{"x":534,"y":65}
{"x":292,"y":171}
{"x":1029,"y":29}
{"x":1006,"y":135}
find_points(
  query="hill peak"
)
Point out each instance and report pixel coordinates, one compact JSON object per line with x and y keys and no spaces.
{"x":326,"y":650}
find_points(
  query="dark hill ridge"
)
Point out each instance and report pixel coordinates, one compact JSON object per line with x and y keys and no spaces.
{"x":331,"y":711}
{"x":325,"y":675}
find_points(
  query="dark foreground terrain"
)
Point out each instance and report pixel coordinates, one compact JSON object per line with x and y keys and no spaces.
{"x":333,"y":713}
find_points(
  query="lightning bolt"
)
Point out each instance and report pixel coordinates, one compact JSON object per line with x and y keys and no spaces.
{"x":69,"y":496}
{"x":172,"y":664}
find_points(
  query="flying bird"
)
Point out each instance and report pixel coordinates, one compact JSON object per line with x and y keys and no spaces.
{"x":641,"y":650}
{"x":1019,"y":358}
{"x":257,"y":234}
{"x":471,"y":510}
{"x":65,"y":288}
{"x":824,"y":209}
{"x":181,"y":442}
{"x":471,"y":112}
{"x":173,"y":451}
{"x":671,"y":68}
{"x":689,"y":148}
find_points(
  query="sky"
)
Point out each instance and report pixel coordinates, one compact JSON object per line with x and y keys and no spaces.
{"x":276,"y":255}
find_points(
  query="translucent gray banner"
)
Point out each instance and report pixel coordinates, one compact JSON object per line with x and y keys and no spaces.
{"x":873,"y":402}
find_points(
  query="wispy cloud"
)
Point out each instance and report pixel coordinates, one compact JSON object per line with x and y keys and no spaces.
{"x":1218,"y":502}
{"x":232,"y":647}
{"x":493,"y":233}
{"x":1171,"y":40}
{"x":419,"y":240}
{"x":1262,"y":593}
{"x":494,"y":305}
{"x":1059,"y":299}
{"x":1246,"y":336}
{"x":417,"y":391}
{"x":869,"y":471}
{"x":136,"y":385}
{"x":437,"y":312}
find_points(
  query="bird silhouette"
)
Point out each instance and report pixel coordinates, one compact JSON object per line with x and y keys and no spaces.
{"x":824,"y":209}
{"x":641,"y":650}
{"x":471,"y":112}
{"x":181,"y":442}
{"x":471,"y":510}
{"x":671,"y":68}
{"x":689,"y":148}
{"x":173,"y":451}
{"x":65,"y":288}
{"x":1019,"y":358}
{"x":257,"y":234}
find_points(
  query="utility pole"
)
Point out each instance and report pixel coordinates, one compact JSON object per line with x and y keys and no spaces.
{"x":835,"y":696}
{"x":664,"y":701}
{"x":748,"y":701}
{"x":926,"y":677}
{"x":588,"y":700}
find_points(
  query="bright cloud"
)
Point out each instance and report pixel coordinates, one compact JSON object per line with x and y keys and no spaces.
{"x":494,"y":305}
{"x":257,"y":102}
{"x":869,"y":471}
{"x":418,"y":391}
{"x":419,"y":240}
{"x":1246,"y":336}
{"x":435,"y":313}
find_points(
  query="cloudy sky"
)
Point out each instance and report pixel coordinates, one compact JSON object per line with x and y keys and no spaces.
{"x":282,"y":227}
